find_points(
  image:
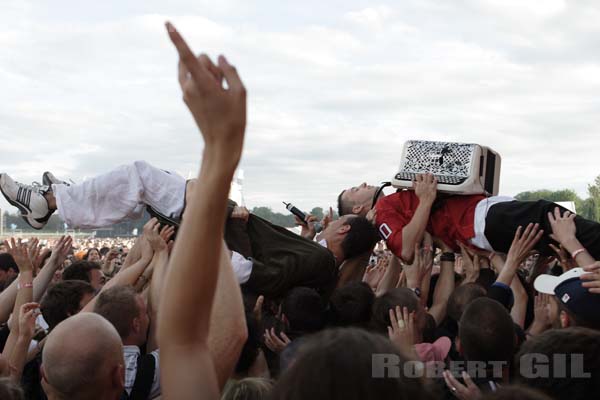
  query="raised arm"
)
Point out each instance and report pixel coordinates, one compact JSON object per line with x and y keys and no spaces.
{"x":44,"y":277}
{"x":444,"y":287}
{"x":563,"y":231}
{"x":187,"y":368}
{"x":412,"y":234}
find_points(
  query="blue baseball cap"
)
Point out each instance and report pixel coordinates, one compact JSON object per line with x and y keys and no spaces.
{"x":569,"y":292}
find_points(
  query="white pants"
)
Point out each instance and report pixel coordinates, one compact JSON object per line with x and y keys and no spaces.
{"x":120,"y":194}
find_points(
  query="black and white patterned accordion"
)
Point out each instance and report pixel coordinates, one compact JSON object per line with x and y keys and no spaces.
{"x":461,"y":168}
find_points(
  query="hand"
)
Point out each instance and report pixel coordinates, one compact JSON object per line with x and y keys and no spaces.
{"x":240,"y":213}
{"x":166,"y":233}
{"x":151,"y":233}
{"x":541,"y":312}
{"x":428,"y":252}
{"x":308,"y":228}
{"x":257,"y":311}
{"x":415,"y":271}
{"x":27,"y":315}
{"x":20,"y":254}
{"x":592,"y":277}
{"x":425,"y":186}
{"x":471,"y":264}
{"x":37,"y":255}
{"x":374,"y":274}
{"x":61,"y":250}
{"x":563,"y":227}
{"x":523,"y":244}
{"x":402,"y":329}
{"x":219,"y":113}
{"x":469,"y":391}
{"x":276,"y":343}
{"x":565,"y":259}
{"x":327,"y":218}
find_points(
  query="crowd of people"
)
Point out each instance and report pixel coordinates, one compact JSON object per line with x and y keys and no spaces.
{"x":406,"y":296}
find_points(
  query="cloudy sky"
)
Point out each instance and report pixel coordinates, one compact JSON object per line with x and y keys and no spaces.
{"x":335,"y":88}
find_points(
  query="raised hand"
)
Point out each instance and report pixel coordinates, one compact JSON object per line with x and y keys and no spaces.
{"x":468,"y":391}
{"x":167,"y":232}
{"x":471,"y":264}
{"x":274,"y":342}
{"x":541,"y":314}
{"x":308,"y":230}
{"x":240,"y":213}
{"x":61,"y":250}
{"x":151,"y":233}
{"x":523,"y":244}
{"x":425,"y":186}
{"x":563,"y":227}
{"x":402,"y":329}
{"x":219,"y":113}
{"x":374,"y":274}
{"x":592,"y":278}
{"x":327,"y":218}
{"x":20,"y":253}
{"x":27,"y":315}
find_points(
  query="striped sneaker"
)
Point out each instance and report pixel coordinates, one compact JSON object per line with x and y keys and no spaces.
{"x":29,"y":199}
{"x":49,"y":179}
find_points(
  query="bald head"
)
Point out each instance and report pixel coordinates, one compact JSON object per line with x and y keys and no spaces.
{"x":83,"y":358}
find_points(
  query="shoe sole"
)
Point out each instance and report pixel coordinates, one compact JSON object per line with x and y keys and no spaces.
{"x":25,"y":214}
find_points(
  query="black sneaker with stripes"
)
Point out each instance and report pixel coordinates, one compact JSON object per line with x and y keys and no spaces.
{"x":29,"y":199}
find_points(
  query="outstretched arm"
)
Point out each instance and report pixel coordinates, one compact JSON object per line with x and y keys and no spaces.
{"x":412,"y":234}
{"x":186,"y":364}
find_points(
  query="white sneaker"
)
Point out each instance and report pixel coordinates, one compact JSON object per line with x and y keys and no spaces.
{"x":29,"y":199}
{"x":49,"y":179}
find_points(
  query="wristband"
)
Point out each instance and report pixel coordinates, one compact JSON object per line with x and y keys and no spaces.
{"x":25,"y":285}
{"x":577,"y":252}
{"x":448,"y":257}
{"x":417,"y":291}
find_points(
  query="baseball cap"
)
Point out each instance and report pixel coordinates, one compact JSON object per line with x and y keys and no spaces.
{"x":569,"y":292}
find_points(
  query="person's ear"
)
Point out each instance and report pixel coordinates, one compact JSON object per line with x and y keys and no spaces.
{"x":357,"y":209}
{"x":118,"y":377}
{"x":565,"y":321}
{"x":343,"y":229}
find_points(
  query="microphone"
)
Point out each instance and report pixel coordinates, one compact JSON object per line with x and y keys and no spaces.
{"x":291,"y":208}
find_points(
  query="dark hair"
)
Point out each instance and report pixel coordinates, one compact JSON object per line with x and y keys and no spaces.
{"x":515,"y":392}
{"x":403,"y":297}
{"x":8,"y":262}
{"x":338,"y":364}
{"x":461,"y":297}
{"x":486,"y":331}
{"x":343,"y":207}
{"x":87,"y":253}
{"x":570,"y":341}
{"x":248,"y":389}
{"x":351,"y":305}
{"x":63,"y":300}
{"x":120,"y":307}
{"x":79,"y":270}
{"x":361,"y":237}
{"x":304,"y":310}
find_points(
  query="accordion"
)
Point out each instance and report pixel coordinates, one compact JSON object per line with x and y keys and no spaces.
{"x":460,"y":168}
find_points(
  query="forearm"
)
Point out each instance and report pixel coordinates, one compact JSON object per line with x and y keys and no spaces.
{"x":583,"y":259}
{"x":228,"y":331}
{"x":390,"y":277}
{"x":7,"y":301}
{"x":193,"y":271}
{"x":18,"y":358}
{"x":159,"y":266}
{"x":43,"y":279}
{"x":443,"y":289}
{"x":24,"y":295}
{"x":519,"y":308}
{"x":413,"y":232}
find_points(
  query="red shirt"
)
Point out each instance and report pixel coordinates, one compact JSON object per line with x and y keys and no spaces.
{"x":452,"y":221}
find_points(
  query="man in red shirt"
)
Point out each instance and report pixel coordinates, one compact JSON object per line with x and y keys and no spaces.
{"x":488,"y":223}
